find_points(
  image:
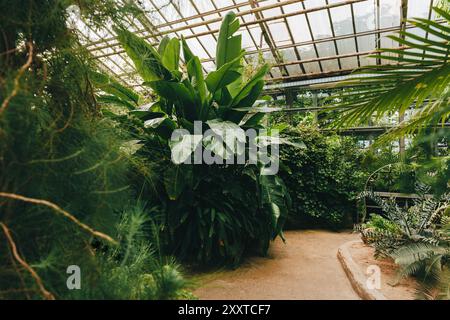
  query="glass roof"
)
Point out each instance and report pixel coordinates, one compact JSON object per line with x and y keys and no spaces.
{"x":302,"y":39}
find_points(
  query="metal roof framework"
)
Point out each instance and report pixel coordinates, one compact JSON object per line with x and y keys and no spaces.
{"x":302,"y":39}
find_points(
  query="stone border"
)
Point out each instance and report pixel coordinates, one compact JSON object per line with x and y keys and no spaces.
{"x":356,"y":275}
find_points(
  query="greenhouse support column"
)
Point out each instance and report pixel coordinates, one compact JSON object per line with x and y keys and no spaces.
{"x":401,"y":118}
{"x":315,"y":105}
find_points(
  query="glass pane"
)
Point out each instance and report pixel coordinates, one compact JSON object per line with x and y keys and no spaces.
{"x":312,"y":67}
{"x":418,"y":8}
{"x":346,"y":46}
{"x":349,"y":63}
{"x":299,"y":28}
{"x":342,"y":19}
{"x":389,"y":13}
{"x":364,"y":16}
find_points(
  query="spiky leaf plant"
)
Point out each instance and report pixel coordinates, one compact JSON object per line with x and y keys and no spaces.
{"x":417,"y":238}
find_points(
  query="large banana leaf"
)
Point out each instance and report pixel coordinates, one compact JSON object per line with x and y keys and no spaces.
{"x":162,"y":45}
{"x":114,"y":100}
{"x":276,"y":199}
{"x":146,"y":59}
{"x":418,"y":74}
{"x":247,"y":92}
{"x":182,"y":96}
{"x":224,"y":75}
{"x":187,"y":52}
{"x":195,"y":73}
{"x":171,"y":55}
{"x":228,"y":45}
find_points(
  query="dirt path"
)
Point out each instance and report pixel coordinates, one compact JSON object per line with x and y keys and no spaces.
{"x":305,"y":267}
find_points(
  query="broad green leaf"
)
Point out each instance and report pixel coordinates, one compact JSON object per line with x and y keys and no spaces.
{"x":171,"y":56}
{"x":162,"y":126}
{"x":114,"y":100}
{"x":248,"y":87}
{"x":131,"y":147}
{"x":253,"y":120}
{"x":162,"y":45}
{"x":183,"y":147}
{"x":252,"y":96}
{"x":154,"y":123}
{"x":194,"y":68}
{"x":228,"y":46}
{"x":146,"y":59}
{"x":111,"y":86}
{"x":276,"y":199}
{"x":230,"y":134}
{"x":187,"y":53}
{"x":223,"y":76}
{"x":177,"y":93}
{"x":148,"y":115}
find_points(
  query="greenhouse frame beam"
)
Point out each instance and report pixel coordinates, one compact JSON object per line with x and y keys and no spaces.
{"x":207,"y":13}
{"x":257,"y":21}
{"x":312,"y":75}
{"x":308,"y":24}
{"x":265,"y":31}
{"x":352,"y":10}
{"x":377,"y":27}
{"x":291,"y":37}
{"x":333,"y":33}
{"x":306,"y":43}
{"x":346,"y":55}
{"x":322,"y":40}
{"x":264,"y":19}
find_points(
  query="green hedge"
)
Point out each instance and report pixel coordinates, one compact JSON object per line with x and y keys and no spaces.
{"x":323,"y":179}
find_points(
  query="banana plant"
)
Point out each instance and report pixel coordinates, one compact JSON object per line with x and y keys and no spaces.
{"x":220,"y":100}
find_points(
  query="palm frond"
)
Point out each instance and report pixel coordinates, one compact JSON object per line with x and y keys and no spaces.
{"x":415,"y":74}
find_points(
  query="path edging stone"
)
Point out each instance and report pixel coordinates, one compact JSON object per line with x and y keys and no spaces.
{"x":355,"y":275}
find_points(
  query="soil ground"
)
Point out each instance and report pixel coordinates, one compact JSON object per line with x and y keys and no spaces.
{"x":306,"y":267}
{"x":363,"y":255}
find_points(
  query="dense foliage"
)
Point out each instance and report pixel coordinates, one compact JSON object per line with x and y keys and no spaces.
{"x":63,"y":176}
{"x":209,"y":213}
{"x":426,"y":160}
{"x":323,"y":178}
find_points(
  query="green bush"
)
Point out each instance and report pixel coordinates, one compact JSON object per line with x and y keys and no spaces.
{"x":211,"y":214}
{"x":64,"y":178}
{"x":323,"y":179}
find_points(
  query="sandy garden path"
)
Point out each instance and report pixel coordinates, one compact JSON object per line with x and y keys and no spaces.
{"x":306,"y":267}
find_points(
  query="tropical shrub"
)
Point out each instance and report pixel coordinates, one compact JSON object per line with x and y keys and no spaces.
{"x":423,"y":161}
{"x":323,"y":178}
{"x":64,"y":178}
{"x":210,"y":213}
